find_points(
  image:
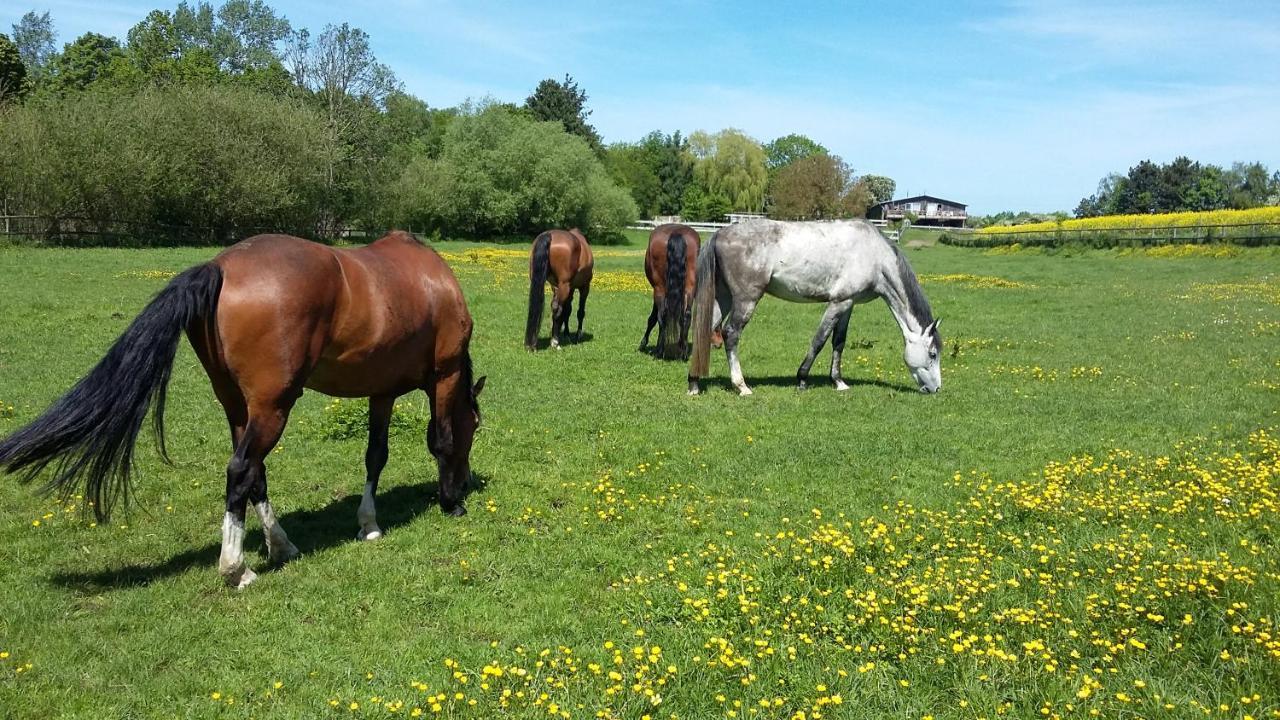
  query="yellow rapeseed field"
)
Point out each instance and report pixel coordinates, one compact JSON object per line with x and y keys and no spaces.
{"x":1255,"y":216}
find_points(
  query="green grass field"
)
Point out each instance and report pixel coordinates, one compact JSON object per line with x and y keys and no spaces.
{"x":1083,"y":523}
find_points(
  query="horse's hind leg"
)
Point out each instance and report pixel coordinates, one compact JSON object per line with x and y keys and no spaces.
{"x":653,"y":320}
{"x":838,"y":336}
{"x":830,"y":319}
{"x":247,"y":483}
{"x":733,"y":326}
{"x":375,"y":458}
{"x":686,"y":318}
{"x":582,"y":309}
{"x":561,"y":298}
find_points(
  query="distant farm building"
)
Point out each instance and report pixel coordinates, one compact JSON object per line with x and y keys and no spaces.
{"x":929,"y":210}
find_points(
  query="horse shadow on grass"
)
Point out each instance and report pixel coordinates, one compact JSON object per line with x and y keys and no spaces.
{"x":312,"y":531}
{"x":567,"y":342}
{"x":816,"y":382}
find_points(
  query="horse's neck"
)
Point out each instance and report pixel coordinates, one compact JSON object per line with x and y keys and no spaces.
{"x":893,"y":288}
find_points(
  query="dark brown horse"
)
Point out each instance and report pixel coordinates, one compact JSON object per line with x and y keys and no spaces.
{"x":562,"y":258}
{"x":671,"y":266}
{"x":268,"y":317}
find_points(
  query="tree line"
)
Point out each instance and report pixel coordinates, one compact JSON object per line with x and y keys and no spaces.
{"x":1180,"y":186}
{"x":206,"y":123}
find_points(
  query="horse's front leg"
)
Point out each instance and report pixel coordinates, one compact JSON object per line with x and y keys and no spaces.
{"x":449,"y":447}
{"x":375,"y":458}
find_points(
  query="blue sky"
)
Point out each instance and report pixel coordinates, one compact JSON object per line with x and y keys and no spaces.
{"x":1014,"y":105}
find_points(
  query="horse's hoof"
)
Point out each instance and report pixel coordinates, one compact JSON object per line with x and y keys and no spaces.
{"x":282,"y":556}
{"x":371,"y":534}
{"x":744,"y":391}
{"x":457,"y":511}
{"x":240,"y":577}
{"x":802,"y":385}
{"x":841,"y":385}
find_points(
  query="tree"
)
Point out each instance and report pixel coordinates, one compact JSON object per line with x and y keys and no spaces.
{"x":248,"y":35}
{"x":1247,"y":185}
{"x":346,"y":80}
{"x":817,"y":187}
{"x":732,"y":165}
{"x":629,"y":166}
{"x":566,"y":103}
{"x":880,"y":187}
{"x":502,"y":173}
{"x":13,"y":73}
{"x":210,"y":163}
{"x":699,"y":204}
{"x":788,"y":149}
{"x":671,"y":163}
{"x":89,"y":59}
{"x":34,"y":36}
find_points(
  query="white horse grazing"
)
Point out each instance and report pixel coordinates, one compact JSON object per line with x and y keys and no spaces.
{"x":841,"y":263}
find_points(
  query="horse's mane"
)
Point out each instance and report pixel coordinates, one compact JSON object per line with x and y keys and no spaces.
{"x":917,"y":303}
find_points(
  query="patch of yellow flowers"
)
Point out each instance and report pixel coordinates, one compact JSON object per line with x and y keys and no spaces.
{"x":1084,"y":591}
{"x":1255,"y":216}
{"x":975,"y":281}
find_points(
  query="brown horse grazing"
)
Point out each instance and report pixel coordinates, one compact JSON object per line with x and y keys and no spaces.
{"x":268,"y":317}
{"x":563,"y":258}
{"x":671,"y":266}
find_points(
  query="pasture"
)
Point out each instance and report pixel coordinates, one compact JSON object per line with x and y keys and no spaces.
{"x":1082,"y":523}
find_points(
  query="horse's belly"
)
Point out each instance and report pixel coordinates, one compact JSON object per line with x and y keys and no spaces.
{"x":802,"y":283}
{"x":366,"y":376}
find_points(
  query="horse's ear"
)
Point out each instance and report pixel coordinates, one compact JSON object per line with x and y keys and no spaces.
{"x":933,"y":327}
{"x":475,"y":389}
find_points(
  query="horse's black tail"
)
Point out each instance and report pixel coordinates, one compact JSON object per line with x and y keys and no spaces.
{"x":538,"y":268}
{"x":89,"y":434}
{"x":673,"y":305}
{"x":704,"y":302}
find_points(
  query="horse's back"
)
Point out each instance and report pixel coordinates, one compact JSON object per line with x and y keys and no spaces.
{"x":817,"y":261}
{"x":656,"y":256}
{"x":571,"y":258}
{"x":356,"y":322}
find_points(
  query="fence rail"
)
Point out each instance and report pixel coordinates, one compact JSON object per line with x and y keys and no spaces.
{"x":1239,"y":234}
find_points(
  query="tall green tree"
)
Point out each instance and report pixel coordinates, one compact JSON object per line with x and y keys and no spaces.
{"x":673,"y":166}
{"x":880,"y":187}
{"x":34,"y":37}
{"x":344,"y":77}
{"x":13,"y":72}
{"x":789,"y":148}
{"x":732,"y":165}
{"x":630,"y":165}
{"x":817,"y":187}
{"x":566,"y":103}
{"x":91,"y":58}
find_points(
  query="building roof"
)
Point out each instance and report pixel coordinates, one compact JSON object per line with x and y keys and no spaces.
{"x":921,"y":197}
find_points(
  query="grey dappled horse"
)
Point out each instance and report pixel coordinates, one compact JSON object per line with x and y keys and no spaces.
{"x":842,"y":263}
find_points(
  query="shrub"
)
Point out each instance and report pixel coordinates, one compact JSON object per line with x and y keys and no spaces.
{"x":197,"y":164}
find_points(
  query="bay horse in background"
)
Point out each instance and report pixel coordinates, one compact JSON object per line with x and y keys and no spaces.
{"x":268,"y":317}
{"x":671,"y":266}
{"x":841,"y":263}
{"x":562,"y":258}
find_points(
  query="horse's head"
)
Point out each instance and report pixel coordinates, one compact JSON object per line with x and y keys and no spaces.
{"x":923,"y":355}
